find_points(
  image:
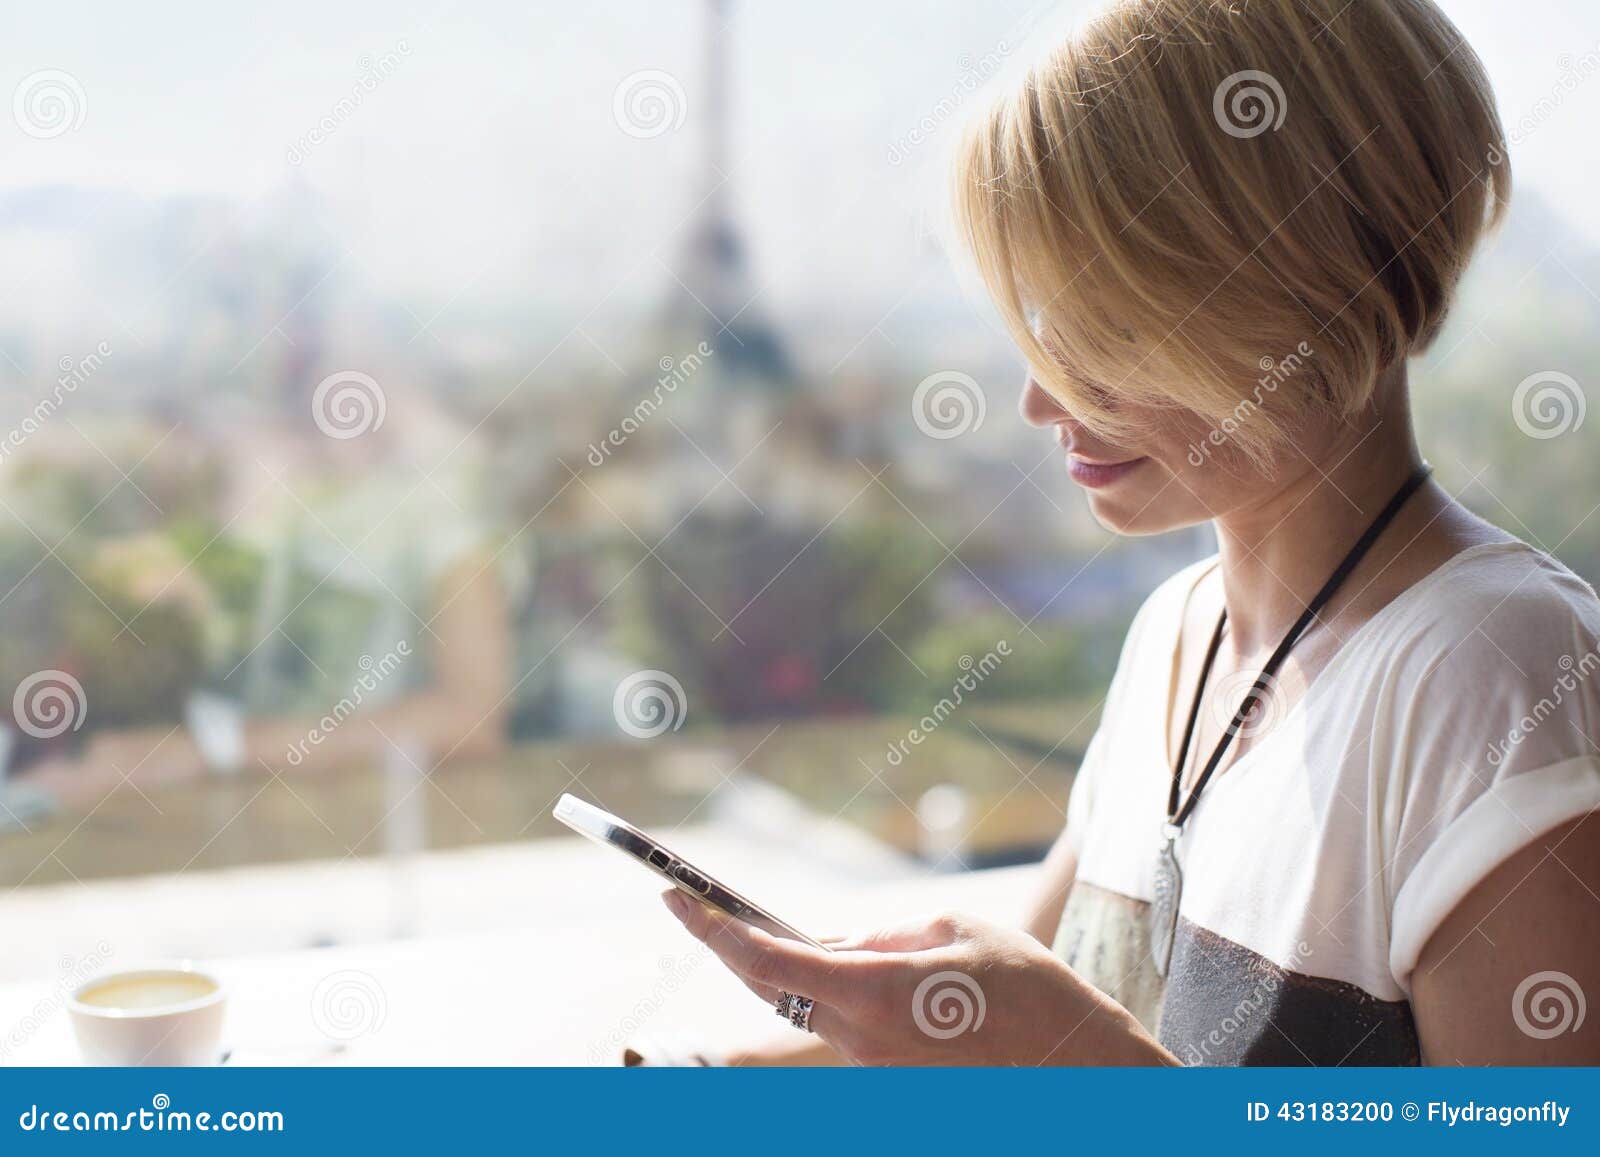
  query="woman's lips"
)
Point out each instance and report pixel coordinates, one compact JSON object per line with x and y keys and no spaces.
{"x":1097,"y":474}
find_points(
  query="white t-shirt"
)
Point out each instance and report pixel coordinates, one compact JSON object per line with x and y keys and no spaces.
{"x":1454,"y":727}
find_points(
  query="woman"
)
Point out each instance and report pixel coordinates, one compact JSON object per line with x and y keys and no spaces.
{"x":1341,"y":804}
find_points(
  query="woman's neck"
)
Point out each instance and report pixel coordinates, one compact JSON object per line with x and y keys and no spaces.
{"x":1276,"y":554}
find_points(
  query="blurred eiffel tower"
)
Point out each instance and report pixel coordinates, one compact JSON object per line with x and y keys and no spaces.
{"x":745,"y":436}
{"x":713,"y":296}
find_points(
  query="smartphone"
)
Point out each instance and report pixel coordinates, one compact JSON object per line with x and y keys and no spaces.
{"x":604,"y":828}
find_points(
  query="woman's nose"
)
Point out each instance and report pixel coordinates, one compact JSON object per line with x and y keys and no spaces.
{"x":1038,"y":408}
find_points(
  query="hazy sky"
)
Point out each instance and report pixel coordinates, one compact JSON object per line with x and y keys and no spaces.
{"x":490,"y":159}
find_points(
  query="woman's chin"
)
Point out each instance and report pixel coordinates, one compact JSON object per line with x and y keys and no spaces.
{"x":1138,"y":516}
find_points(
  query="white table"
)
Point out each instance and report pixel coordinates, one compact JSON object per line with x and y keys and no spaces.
{"x":598,"y":961}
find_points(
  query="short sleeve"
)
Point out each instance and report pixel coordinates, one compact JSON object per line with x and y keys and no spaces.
{"x":1494,"y":745}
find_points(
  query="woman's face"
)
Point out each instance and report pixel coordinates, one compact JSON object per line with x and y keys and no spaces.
{"x":1178,"y":474}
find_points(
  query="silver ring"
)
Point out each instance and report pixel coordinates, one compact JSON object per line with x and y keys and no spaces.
{"x":797,"y":1009}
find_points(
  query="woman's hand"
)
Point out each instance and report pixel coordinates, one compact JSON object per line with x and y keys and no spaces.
{"x":946,"y":991}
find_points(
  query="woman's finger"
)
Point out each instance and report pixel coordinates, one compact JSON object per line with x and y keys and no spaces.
{"x":768,"y":994}
{"x":826,"y":1023}
{"x":763,"y":962}
{"x":912,"y":936}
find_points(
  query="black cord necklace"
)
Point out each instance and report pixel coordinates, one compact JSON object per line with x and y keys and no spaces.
{"x":1169,"y":878}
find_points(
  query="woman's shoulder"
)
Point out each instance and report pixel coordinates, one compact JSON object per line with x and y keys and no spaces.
{"x":1491,"y":669}
{"x":1484,"y":728}
{"x":1520,"y":603}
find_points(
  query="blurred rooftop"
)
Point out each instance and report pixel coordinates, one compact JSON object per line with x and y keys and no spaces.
{"x":1013,"y":762}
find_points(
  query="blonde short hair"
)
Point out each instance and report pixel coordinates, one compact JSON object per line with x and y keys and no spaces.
{"x":1188,"y":192}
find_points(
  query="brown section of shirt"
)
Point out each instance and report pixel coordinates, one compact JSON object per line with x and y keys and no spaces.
{"x":1223,"y":1004}
{"x":1227,"y":1005}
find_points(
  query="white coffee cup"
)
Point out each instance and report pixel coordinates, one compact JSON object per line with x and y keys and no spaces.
{"x":162,"y":1015}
